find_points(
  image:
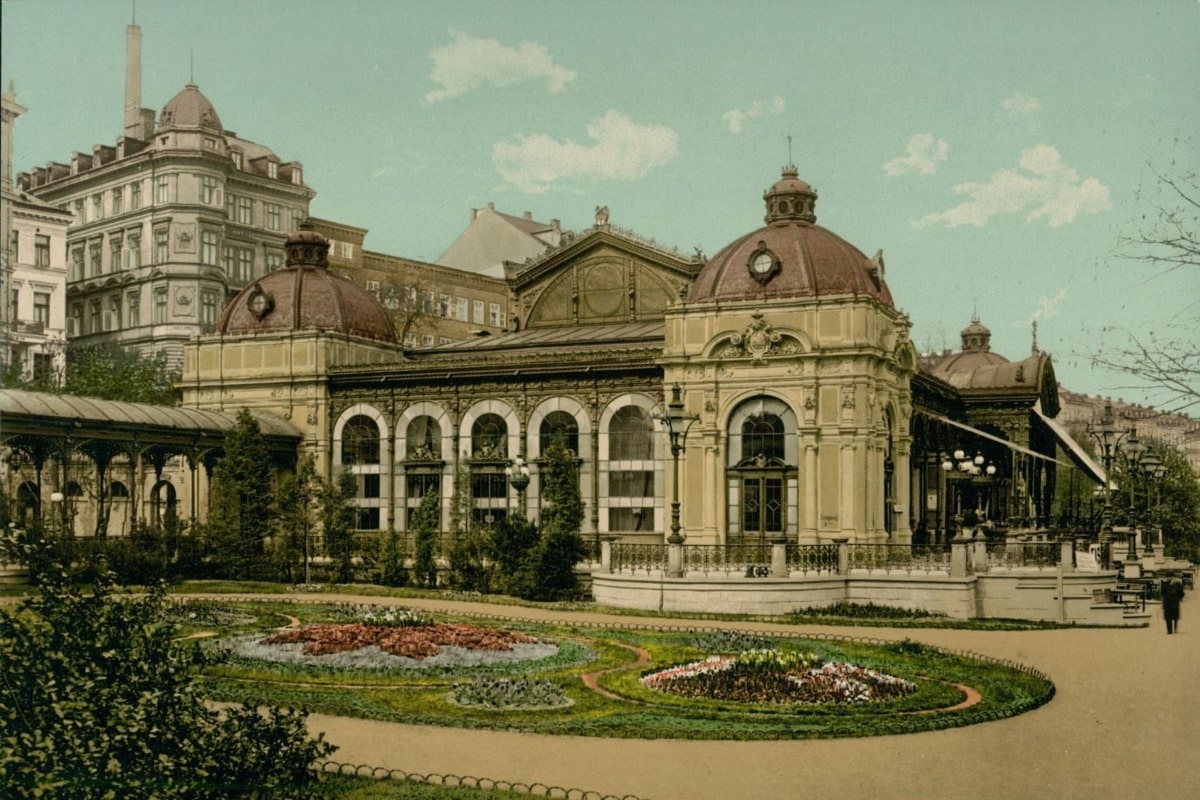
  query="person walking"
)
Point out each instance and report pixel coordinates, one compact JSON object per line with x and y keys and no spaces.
{"x":1172,"y":594}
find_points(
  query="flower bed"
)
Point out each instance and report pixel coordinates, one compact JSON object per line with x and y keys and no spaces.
{"x":359,"y":645}
{"x":774,"y":676}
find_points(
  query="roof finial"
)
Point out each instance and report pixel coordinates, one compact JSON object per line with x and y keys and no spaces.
{"x":789,"y":138}
{"x":975,"y":310}
{"x":1034,"y":349}
{"x":191,"y":66}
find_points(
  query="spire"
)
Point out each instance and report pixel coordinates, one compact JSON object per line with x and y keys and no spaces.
{"x":1034,"y":349}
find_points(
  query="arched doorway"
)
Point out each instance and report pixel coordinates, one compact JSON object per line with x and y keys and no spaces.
{"x":761,"y":472}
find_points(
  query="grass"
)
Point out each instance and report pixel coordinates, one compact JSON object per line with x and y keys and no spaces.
{"x":423,"y":697}
{"x":348,"y":787}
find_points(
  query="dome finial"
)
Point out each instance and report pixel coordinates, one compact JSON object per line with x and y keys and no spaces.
{"x":790,"y":199}
{"x":307,"y":248}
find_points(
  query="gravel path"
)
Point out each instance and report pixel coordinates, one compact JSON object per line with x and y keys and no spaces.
{"x":1123,"y":724}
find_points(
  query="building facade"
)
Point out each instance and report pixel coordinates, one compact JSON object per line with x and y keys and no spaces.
{"x":33,"y":275}
{"x":169,"y":223}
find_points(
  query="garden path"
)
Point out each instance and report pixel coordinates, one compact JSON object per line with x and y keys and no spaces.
{"x":1123,"y":724}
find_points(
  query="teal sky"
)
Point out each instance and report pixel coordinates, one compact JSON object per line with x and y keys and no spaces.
{"x":995,"y":151}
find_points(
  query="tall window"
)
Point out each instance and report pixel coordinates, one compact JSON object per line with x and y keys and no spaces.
{"x":208,"y":310}
{"x":76,"y":264}
{"x":118,"y":201}
{"x":477,"y":312}
{"x":495,"y":315}
{"x":79,"y":218}
{"x":95,"y":319}
{"x":41,"y":308}
{"x":162,"y":189}
{"x":41,"y":251}
{"x":97,"y":207}
{"x":134,"y":302}
{"x":75,"y":320}
{"x":631,"y":470}
{"x":160,"y":305}
{"x":116,"y":245}
{"x":273,"y":218}
{"x":208,"y":248}
{"x":135,"y":251}
{"x":208,"y":190}
{"x":230,"y":205}
{"x":96,"y":267}
{"x":444,"y":309}
{"x":112,"y":320}
{"x":161,"y":245}
{"x":274,"y":262}
{"x":464,"y":309}
{"x":245,"y":208}
{"x":135,"y":196}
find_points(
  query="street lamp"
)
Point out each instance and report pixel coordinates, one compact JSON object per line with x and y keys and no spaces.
{"x":1133,"y":452}
{"x":518,"y":477}
{"x":1154,"y":469}
{"x":1108,"y":435}
{"x":962,"y":465}
{"x":678,"y":424}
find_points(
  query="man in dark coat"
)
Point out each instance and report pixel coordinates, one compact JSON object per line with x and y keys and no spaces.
{"x":1172,"y":594}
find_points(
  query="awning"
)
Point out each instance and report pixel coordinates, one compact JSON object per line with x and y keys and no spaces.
{"x":1079,"y":456}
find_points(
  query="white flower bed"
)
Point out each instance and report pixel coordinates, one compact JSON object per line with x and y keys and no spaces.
{"x":372,"y":657}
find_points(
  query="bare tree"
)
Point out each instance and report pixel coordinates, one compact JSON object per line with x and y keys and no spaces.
{"x":1165,"y":361}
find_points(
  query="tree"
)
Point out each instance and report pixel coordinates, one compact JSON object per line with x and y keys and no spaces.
{"x":468,"y":554}
{"x":552,"y":562}
{"x":425,"y":526}
{"x":99,"y":700}
{"x":1165,"y":361}
{"x":110,"y":372}
{"x":296,"y":519}
{"x":513,"y":539}
{"x":1171,"y":502}
{"x":241,"y":515}
{"x":337,"y":523}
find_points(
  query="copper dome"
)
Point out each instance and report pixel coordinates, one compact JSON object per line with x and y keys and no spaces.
{"x":305,"y":296}
{"x":791,"y":256}
{"x":189,"y":109}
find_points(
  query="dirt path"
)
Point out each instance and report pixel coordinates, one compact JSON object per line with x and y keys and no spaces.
{"x":1123,"y":725}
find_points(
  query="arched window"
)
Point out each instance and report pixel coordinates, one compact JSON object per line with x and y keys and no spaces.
{"x":162,"y":499}
{"x":118,"y":491}
{"x":489,"y":438}
{"x":762,"y":483}
{"x":423,"y":440}
{"x":631,"y":470}
{"x":559,"y":426}
{"x":360,"y":441}
{"x":29,"y":504}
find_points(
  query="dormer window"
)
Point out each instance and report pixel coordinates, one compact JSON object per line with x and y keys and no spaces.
{"x":237,"y":159}
{"x":296,"y":178}
{"x":272,"y":169}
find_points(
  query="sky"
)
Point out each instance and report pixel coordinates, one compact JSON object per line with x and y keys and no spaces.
{"x":996,"y":152}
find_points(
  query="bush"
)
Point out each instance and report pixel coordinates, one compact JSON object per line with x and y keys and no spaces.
{"x":98,"y":701}
{"x":392,"y":571}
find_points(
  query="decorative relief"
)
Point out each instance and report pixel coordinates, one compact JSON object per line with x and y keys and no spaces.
{"x":184,"y":297}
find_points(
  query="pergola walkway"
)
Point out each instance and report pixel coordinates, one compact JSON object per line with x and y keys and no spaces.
{"x":1124,"y":723}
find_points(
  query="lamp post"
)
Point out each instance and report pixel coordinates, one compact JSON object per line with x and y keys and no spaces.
{"x":1108,"y":434}
{"x":1154,"y":470}
{"x":678,"y":424}
{"x":518,"y":477}
{"x":1133,"y":451}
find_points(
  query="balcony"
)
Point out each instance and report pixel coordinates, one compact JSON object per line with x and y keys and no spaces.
{"x":26,"y":327}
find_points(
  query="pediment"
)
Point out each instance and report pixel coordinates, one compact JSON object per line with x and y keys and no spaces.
{"x":600,"y":278}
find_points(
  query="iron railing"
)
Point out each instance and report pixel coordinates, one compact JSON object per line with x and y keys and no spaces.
{"x":900,"y":558}
{"x":1010,"y":555}
{"x":726,"y":559}
{"x":638,"y":558}
{"x":816,"y":558}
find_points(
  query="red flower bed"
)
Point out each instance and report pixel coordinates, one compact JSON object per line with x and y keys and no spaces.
{"x":413,"y":641}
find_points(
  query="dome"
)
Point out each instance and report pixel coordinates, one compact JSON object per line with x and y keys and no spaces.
{"x":305,"y":296}
{"x":190,"y":109}
{"x":976,"y":351}
{"x":791,"y":256}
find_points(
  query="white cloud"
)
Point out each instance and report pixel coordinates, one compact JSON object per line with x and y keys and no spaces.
{"x":1044,"y":185}
{"x":621,"y":149}
{"x":1048,"y":306}
{"x":922,"y":156}
{"x":469,"y":62}
{"x":736,"y":119}
{"x":1021,"y":105}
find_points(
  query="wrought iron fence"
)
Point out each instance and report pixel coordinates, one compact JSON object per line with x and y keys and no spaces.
{"x":727,"y":559}
{"x":900,"y":557}
{"x":816,"y":558}
{"x":637,"y":558}
{"x":1010,"y":555}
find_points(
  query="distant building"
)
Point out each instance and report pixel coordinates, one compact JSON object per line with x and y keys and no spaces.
{"x":33,"y":276}
{"x":494,"y":239}
{"x":167,"y":224}
{"x":1176,"y":430}
{"x":431,"y":304}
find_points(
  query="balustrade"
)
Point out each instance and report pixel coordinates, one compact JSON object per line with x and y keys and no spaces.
{"x":900,"y":558}
{"x":1010,"y":555}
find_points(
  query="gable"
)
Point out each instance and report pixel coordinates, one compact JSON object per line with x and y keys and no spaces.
{"x":603,"y":283}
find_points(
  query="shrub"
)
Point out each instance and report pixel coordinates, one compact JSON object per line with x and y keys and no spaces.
{"x":98,"y":701}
